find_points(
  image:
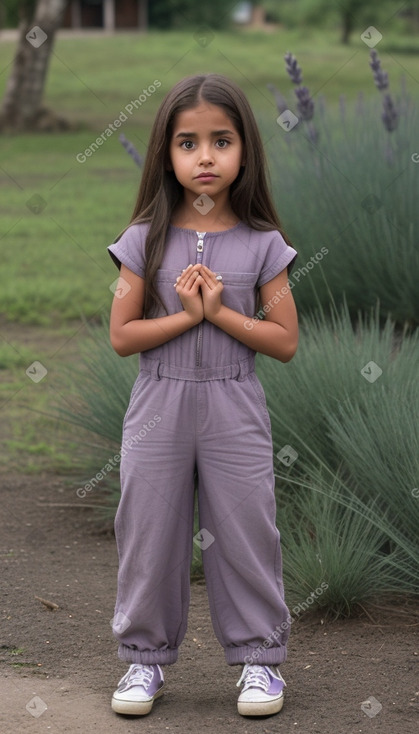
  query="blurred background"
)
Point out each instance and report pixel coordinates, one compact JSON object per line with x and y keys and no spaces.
{"x":334,"y":88}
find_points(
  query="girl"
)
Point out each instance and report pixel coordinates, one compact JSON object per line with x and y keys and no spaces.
{"x":204,"y":243}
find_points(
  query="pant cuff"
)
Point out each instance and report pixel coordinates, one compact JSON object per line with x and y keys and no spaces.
{"x":148,"y":657}
{"x":255,"y":655}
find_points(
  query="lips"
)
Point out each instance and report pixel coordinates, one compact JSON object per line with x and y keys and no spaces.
{"x":207,"y":175}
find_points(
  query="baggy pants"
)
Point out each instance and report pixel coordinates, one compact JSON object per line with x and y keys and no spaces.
{"x":213,"y":421}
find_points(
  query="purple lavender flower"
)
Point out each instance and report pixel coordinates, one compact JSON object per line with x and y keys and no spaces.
{"x":390,"y":116}
{"x":305,"y":104}
{"x":131,"y":150}
{"x":293,"y":69}
{"x":380,"y":76}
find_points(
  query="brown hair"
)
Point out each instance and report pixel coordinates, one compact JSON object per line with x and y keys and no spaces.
{"x":160,"y":191}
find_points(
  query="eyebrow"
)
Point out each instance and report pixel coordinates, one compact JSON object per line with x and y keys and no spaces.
{"x":215,"y":133}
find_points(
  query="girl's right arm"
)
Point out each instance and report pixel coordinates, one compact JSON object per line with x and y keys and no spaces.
{"x":131,"y":334}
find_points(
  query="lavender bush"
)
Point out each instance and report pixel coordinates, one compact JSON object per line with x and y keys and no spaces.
{"x":352,"y":191}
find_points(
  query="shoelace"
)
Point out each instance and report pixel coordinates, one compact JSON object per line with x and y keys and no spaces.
{"x":254,"y":676}
{"x":139,"y":675}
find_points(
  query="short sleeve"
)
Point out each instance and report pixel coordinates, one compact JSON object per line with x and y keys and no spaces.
{"x":279,"y":255}
{"x":129,"y":250}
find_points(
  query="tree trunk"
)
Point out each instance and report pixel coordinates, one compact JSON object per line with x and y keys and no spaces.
{"x":22,"y":104}
{"x":347,"y":27}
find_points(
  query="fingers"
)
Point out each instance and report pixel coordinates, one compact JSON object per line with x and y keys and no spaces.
{"x":187,"y":278}
{"x":197,"y":274}
{"x":211,"y":279}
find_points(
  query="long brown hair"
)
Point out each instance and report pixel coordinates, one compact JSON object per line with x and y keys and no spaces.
{"x":160,"y":191}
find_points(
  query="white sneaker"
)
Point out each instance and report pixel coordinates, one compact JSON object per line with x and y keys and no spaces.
{"x":263,"y":690}
{"x":138,"y":689}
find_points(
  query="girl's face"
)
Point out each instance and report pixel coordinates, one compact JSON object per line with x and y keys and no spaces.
{"x":206,"y":151}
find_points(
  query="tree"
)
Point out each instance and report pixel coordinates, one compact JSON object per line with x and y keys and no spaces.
{"x":22,"y":103}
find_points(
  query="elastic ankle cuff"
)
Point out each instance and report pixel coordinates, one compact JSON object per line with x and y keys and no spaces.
{"x":147,"y":657}
{"x":255,"y":655}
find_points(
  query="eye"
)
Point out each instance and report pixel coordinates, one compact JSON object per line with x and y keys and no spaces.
{"x":187,"y":145}
{"x":223,"y":143}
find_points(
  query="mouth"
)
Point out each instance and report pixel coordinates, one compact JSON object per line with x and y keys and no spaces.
{"x":207,"y":176}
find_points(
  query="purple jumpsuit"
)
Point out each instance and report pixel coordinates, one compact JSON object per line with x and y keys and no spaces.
{"x":197,"y":404}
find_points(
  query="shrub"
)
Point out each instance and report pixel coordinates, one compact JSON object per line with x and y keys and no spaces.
{"x":346,"y":456}
{"x":349,"y":185}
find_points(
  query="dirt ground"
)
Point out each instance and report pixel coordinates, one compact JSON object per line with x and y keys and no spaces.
{"x":59,"y":668}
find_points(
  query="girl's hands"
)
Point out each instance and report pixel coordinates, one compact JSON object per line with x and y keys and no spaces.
{"x":200,"y":292}
{"x":187,"y":287}
{"x":211,"y":290}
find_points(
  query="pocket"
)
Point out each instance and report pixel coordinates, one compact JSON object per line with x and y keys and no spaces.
{"x":239,"y":292}
{"x":260,"y":394}
{"x":240,"y":279}
{"x":138,"y":384}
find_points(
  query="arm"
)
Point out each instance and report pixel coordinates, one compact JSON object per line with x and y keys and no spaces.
{"x":276,"y":335}
{"x":130,"y":333}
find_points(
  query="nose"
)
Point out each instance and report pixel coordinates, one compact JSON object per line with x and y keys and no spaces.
{"x":206,"y":157}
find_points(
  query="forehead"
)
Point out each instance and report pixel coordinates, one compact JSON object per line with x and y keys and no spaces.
{"x":203,"y":118}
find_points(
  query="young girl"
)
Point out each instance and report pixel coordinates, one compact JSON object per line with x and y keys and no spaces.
{"x":203,"y":250}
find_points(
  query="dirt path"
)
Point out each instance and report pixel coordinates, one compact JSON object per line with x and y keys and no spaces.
{"x":59,"y":668}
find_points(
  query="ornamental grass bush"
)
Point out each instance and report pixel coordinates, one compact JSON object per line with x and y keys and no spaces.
{"x":349,"y":184}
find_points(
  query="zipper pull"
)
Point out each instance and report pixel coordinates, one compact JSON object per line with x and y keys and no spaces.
{"x":200,"y":243}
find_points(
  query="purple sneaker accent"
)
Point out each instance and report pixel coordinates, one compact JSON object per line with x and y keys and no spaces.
{"x":262,"y":692}
{"x":138,"y":689}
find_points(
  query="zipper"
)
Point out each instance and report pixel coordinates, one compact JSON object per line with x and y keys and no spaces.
{"x":199,"y":256}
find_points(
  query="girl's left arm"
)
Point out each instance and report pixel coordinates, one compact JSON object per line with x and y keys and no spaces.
{"x":275,"y":336}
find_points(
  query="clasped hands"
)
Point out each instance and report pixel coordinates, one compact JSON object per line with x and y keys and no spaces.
{"x":200,"y":292}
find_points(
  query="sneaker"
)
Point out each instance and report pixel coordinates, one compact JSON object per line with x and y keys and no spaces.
{"x":138,"y":689}
{"x":262,"y":692}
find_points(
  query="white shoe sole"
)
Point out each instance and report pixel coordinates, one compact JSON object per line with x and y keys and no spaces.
{"x":134,"y":708}
{"x":260,"y":708}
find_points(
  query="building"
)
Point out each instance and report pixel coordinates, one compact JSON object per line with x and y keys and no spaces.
{"x":107,"y":14}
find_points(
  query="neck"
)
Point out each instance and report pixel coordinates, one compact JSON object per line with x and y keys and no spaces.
{"x":202,"y":219}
